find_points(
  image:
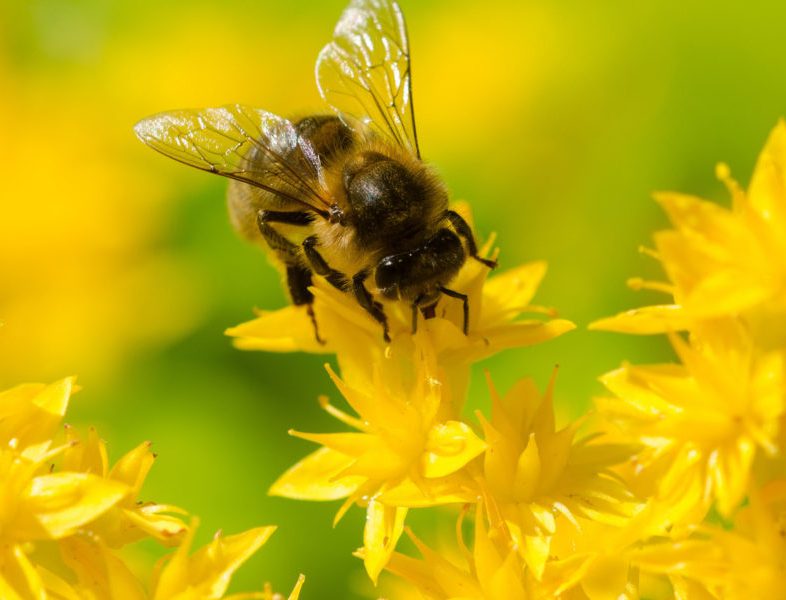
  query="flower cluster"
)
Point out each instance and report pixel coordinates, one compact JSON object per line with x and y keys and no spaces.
{"x":536,"y":487}
{"x":673,"y":487}
{"x":710,"y":428}
{"x":65,"y":515}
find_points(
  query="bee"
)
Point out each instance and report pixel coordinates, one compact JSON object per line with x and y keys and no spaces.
{"x":345,"y":196}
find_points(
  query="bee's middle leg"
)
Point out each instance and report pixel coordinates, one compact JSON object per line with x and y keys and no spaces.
{"x":364,"y":298}
{"x":298,"y":275}
{"x":336,"y":278}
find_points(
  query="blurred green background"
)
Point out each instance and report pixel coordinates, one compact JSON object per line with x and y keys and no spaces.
{"x":554,"y":120}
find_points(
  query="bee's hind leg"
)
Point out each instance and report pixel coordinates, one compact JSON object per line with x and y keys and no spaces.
{"x":298,"y":275}
{"x":298,"y":281}
{"x":464,"y":230}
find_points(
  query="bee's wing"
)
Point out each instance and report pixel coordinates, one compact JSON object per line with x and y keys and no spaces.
{"x":243,"y":143}
{"x":364,"y":72}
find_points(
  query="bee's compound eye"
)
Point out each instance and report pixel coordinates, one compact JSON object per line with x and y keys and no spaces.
{"x":388,"y":274}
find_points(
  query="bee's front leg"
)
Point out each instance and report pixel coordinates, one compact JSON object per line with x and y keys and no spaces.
{"x":465,"y":302}
{"x":465,"y":231}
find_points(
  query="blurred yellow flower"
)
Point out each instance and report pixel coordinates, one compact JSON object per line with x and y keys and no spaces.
{"x":723,"y":262}
{"x":63,"y":510}
{"x":130,"y":519}
{"x":745,"y":560}
{"x":36,"y":504}
{"x":700,"y":423}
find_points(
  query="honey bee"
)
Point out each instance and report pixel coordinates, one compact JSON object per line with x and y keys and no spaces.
{"x":350,"y":190}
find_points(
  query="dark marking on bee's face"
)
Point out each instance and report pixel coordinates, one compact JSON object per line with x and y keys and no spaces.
{"x":386,"y":201}
{"x":420,"y":271}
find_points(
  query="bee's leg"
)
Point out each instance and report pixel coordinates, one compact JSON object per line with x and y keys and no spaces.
{"x":298,"y":281}
{"x":288,"y":251}
{"x":464,"y":230}
{"x":337,"y":279}
{"x":464,"y":299}
{"x":365,"y":300}
{"x":298,"y":276}
{"x":415,"y":309}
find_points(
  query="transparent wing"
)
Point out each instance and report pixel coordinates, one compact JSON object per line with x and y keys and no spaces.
{"x":364,"y":72}
{"x":243,"y":143}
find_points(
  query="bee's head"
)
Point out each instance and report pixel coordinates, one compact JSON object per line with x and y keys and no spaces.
{"x":417,"y":274}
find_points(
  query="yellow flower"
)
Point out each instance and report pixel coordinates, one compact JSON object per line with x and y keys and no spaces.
{"x":724,"y":262}
{"x":35,"y":504}
{"x":492,"y":570}
{"x":538,"y":476}
{"x":702,"y":422}
{"x":404,"y":454}
{"x":594,"y":560}
{"x":57,"y":526}
{"x":745,"y":561}
{"x":206,"y":574}
{"x":130,"y":519}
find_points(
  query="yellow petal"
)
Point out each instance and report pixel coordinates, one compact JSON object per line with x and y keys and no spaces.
{"x":18,"y":576}
{"x":155,"y":521}
{"x":56,"y":505}
{"x":453,"y":489}
{"x":528,"y":472}
{"x":499,"y":463}
{"x":450,"y":446}
{"x":87,"y":456}
{"x":286,"y":330}
{"x":508,"y":294}
{"x":384,"y":526}
{"x":295,"y":594}
{"x":554,"y":453}
{"x":133,"y":467}
{"x":536,"y":553}
{"x":56,"y":587}
{"x":315,"y":478}
{"x":767,"y":190}
{"x":31,"y":413}
{"x":646,"y":320}
{"x":606,"y":578}
{"x":518,"y":334}
{"x":99,"y":572}
{"x":525,"y":333}
{"x":207,"y":573}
